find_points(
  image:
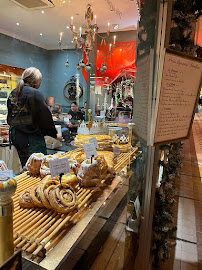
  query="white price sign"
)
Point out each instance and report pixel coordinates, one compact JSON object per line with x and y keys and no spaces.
{"x":94,"y":140}
{"x":59,"y":166}
{"x":116,"y":151}
{"x":90,"y":150}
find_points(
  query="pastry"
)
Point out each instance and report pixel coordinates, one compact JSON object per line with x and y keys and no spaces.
{"x":79,"y":157}
{"x":89,"y":174}
{"x":62,"y":198}
{"x":69,"y":179}
{"x":58,"y":155}
{"x":34,"y":163}
{"x":44,"y":189}
{"x":102,"y":140}
{"x":109,"y":157}
{"x":45,"y":169}
{"x":25,"y":199}
{"x":102,"y":164}
{"x":106,"y":170}
{"x":73,"y":166}
{"x":36,"y":196}
{"x":123,"y":147}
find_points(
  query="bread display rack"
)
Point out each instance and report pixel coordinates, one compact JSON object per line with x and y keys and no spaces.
{"x":39,"y":231}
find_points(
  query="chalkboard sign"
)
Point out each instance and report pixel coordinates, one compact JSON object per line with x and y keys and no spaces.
{"x":177,"y":97}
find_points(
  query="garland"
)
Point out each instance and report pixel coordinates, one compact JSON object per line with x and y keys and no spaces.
{"x":163,"y":229}
{"x":185,"y":15}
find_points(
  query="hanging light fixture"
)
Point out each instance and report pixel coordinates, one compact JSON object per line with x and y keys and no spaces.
{"x":89,"y":40}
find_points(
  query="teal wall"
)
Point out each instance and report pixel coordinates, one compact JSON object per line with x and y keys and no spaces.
{"x":51,"y":63}
{"x":14,"y":52}
{"x":59,"y":74}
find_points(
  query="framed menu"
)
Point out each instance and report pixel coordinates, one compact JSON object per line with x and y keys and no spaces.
{"x":143,"y":96}
{"x":177,"y":97}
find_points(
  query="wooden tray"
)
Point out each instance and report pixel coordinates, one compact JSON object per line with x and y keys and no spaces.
{"x":39,"y":230}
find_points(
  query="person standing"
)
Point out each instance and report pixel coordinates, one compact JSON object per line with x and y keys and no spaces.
{"x":29,"y":116}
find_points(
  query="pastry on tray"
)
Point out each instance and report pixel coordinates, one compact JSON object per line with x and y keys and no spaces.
{"x":45,"y":169}
{"x":70,"y":179}
{"x":78,"y":156}
{"x":81,"y":156}
{"x":49,"y":193}
{"x":91,"y":174}
{"x":109,"y":157}
{"x":35,"y":195}
{"x":123,"y":147}
{"x":102,"y":140}
{"x":25,"y":199}
{"x":44,"y":189}
{"x":34,"y":163}
{"x":62,"y":198}
{"x":74,"y":166}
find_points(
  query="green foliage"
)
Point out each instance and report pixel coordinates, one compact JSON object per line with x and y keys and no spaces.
{"x":185,"y":14}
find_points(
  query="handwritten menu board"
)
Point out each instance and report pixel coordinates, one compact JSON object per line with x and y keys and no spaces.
{"x":176,"y":97}
{"x":143,"y":96}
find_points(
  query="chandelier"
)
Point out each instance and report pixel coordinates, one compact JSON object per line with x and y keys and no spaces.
{"x":90,"y":31}
{"x":87,"y":41}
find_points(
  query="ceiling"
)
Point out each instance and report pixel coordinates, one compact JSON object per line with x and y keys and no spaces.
{"x":55,"y":20}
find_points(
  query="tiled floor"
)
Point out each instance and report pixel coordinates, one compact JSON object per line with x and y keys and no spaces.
{"x":187,"y":254}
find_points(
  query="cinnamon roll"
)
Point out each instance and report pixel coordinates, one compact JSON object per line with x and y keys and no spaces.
{"x":62,"y":198}
{"x":25,"y":199}
{"x":44,"y":190}
{"x":35,"y":195}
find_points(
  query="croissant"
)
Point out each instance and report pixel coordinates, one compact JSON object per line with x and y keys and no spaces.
{"x":25,"y":199}
{"x":89,"y":174}
{"x":62,"y":198}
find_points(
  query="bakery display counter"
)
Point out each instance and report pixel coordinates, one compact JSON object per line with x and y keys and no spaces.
{"x":46,"y":236}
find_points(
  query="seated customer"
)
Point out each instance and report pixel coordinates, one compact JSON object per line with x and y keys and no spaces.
{"x":74,"y":116}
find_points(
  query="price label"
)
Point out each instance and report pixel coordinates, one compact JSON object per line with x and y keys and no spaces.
{"x":6,"y":174}
{"x":90,"y":150}
{"x":94,"y":141}
{"x":116,"y":151}
{"x":59,"y":166}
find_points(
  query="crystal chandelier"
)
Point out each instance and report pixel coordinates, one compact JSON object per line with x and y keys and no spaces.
{"x":88,"y":40}
{"x":90,"y":31}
